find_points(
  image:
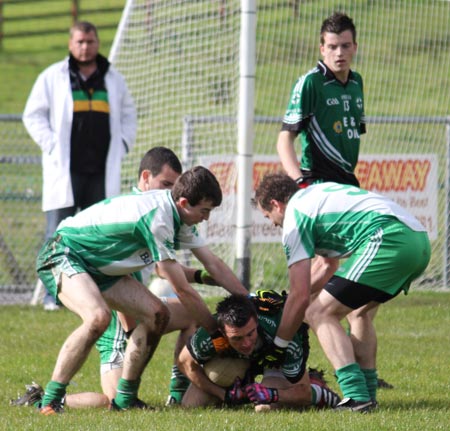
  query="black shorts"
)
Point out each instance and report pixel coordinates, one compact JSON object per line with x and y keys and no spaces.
{"x":354,"y":295}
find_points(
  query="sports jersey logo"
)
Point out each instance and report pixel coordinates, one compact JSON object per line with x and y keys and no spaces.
{"x":146,"y":258}
{"x":359,"y":103}
{"x":169,"y":244}
{"x":337,"y":127}
{"x":332,"y":102}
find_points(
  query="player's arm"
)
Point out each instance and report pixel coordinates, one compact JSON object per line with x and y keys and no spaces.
{"x":194,"y":372}
{"x":288,"y":156}
{"x":280,"y":391}
{"x":219,"y":271}
{"x":297,"y":301}
{"x":189,"y":297}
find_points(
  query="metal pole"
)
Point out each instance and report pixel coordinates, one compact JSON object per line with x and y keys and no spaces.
{"x":247,"y":65}
{"x":446,"y":263}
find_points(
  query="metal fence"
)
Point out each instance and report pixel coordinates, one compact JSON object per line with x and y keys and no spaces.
{"x":23,"y":222}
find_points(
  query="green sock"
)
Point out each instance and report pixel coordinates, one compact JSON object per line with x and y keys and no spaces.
{"x":352,"y":382}
{"x":54,"y":391}
{"x":126,"y":392}
{"x":178,"y":384}
{"x":371,"y":376}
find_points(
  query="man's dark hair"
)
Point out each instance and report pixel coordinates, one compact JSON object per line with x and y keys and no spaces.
{"x":274,"y":186}
{"x":83,"y":26}
{"x":236,"y":311}
{"x":197,"y":184}
{"x":337,"y":23}
{"x":155,"y":158}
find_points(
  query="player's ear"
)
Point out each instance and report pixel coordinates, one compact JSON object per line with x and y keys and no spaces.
{"x":183,"y":202}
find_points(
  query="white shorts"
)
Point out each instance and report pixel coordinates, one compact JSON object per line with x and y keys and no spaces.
{"x":115,"y":362}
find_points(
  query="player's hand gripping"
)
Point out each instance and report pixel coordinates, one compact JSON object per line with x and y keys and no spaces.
{"x":260,"y":394}
{"x":273,"y":356}
{"x":269,"y":301}
{"x":236,"y":394}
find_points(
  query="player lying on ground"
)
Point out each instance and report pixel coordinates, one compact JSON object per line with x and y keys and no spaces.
{"x":245,"y":333}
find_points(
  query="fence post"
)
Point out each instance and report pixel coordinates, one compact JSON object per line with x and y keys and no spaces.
{"x":446,"y":263}
{"x":1,"y":25}
{"x":75,"y":10}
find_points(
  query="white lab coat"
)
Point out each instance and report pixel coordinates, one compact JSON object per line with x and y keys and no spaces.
{"x":48,"y":118}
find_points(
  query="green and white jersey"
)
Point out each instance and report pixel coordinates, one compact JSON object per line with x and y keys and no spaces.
{"x":127,"y":233}
{"x":202,"y":348}
{"x":332,"y":220}
{"x":329,"y":116}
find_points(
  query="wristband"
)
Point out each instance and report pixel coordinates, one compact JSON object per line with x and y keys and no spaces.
{"x":299,"y":180}
{"x":198,"y":276}
{"x":280,"y":342}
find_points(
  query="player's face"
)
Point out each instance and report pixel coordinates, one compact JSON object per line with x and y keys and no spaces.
{"x":243,"y":339}
{"x":193,"y":214}
{"x":275,"y":215}
{"x":84,"y":47}
{"x":164,"y":180}
{"x":337,"y":53}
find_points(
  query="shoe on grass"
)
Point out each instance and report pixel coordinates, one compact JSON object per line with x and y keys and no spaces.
{"x":137,"y":404}
{"x":356,"y":406}
{"x":54,"y":408}
{"x":33,"y":394}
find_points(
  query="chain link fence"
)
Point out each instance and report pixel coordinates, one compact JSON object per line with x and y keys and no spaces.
{"x":22,"y":220}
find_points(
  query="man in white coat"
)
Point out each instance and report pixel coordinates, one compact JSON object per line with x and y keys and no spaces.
{"x":82,"y":115}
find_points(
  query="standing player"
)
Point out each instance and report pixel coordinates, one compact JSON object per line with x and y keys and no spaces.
{"x":246,"y":332}
{"x":88,"y":265}
{"x":159,"y":169}
{"x":326,"y":109}
{"x":386,"y":249}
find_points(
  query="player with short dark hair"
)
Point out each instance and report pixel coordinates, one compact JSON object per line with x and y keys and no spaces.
{"x":326,"y":110}
{"x":245,"y":333}
{"x":386,"y":249}
{"x":88,"y":265}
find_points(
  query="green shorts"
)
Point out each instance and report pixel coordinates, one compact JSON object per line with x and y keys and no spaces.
{"x":55,"y":259}
{"x":389,"y":260}
{"x":112,"y":345}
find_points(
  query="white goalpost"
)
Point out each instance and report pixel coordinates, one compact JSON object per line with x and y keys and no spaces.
{"x":211,"y":80}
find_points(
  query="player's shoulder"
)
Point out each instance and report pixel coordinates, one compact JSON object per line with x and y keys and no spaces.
{"x":356,"y":77}
{"x":312,"y":76}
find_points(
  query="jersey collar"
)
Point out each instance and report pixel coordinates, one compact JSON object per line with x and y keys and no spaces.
{"x":329,"y":75}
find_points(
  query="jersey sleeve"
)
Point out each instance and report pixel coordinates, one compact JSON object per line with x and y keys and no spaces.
{"x":201,"y":346}
{"x":298,"y":237}
{"x":300,"y":106}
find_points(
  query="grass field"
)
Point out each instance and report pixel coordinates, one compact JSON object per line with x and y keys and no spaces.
{"x":413,"y":355}
{"x":413,"y":331}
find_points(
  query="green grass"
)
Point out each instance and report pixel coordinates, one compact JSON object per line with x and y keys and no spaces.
{"x":413,"y":340}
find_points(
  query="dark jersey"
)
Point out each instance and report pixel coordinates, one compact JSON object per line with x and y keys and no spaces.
{"x":329,"y":116}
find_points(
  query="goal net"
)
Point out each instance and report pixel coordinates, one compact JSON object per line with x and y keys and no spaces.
{"x":181,"y":60}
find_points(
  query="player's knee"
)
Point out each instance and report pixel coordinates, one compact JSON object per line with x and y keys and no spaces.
{"x":312,"y":314}
{"x":99,"y":321}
